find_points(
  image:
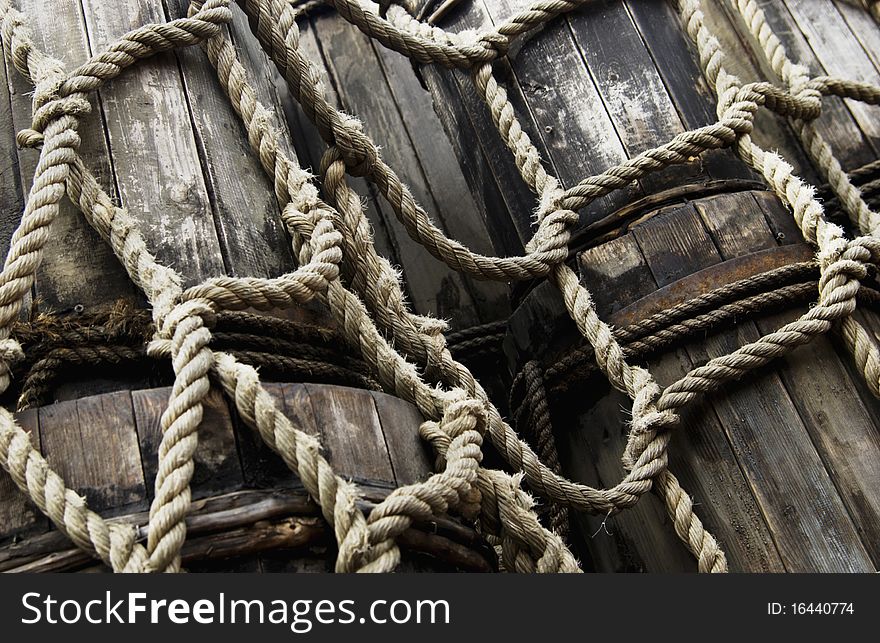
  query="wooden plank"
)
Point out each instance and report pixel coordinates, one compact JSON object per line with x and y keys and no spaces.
{"x":488,"y":164}
{"x":640,"y":538}
{"x":251,"y":234}
{"x":351,"y":433}
{"x":311,"y":147}
{"x":700,"y":453}
{"x":217,"y":465}
{"x":262,"y":468}
{"x":400,"y":421}
{"x":770,"y":131}
{"x":864,"y":28}
{"x":571,"y":120}
{"x":840,"y":423}
{"x":11,"y":195}
{"x":678,"y":65}
{"x":155,"y":157}
{"x":18,"y":515}
{"x":92,"y":444}
{"x":807,"y":517}
{"x":836,"y":124}
{"x":490,"y":198}
{"x":75,"y":258}
{"x":631,"y":87}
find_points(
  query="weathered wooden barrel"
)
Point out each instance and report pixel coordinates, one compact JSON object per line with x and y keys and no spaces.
{"x":164,"y":141}
{"x":783,"y":467}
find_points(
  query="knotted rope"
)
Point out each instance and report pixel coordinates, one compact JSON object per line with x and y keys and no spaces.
{"x":340,"y":267}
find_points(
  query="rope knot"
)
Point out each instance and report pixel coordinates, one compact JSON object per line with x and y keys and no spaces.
{"x":51,"y":103}
{"x":358,"y":152}
{"x":181,"y":312}
{"x":647,"y":419}
{"x":496,"y":41}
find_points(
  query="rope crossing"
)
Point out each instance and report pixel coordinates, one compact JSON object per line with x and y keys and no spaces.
{"x":340,"y":267}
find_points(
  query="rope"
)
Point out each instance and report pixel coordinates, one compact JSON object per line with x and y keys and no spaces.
{"x":119,"y":336}
{"x":408,"y":354}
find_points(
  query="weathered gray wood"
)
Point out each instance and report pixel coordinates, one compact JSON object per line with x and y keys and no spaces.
{"x":631,"y":87}
{"x":11,"y":195}
{"x":252,"y":237}
{"x":355,"y":67}
{"x":837,"y":124}
{"x":155,"y":159}
{"x":75,"y":258}
{"x":351,"y":432}
{"x":677,"y":64}
{"x":311,"y":147}
{"x":839,"y":52}
{"x":217,"y":465}
{"x":226,"y":531}
{"x":409,"y":455}
{"x":770,"y":131}
{"x":864,"y":28}
{"x":97,"y":444}
{"x":572,"y":122}
{"x":641,"y":538}
{"x":452,"y":203}
{"x":92,"y":444}
{"x":841,"y":423}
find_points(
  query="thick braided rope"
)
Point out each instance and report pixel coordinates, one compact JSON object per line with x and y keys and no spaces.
{"x":53,"y":168}
{"x":113,"y":543}
{"x":339,"y":504}
{"x":581,"y":496}
{"x":743,"y":106}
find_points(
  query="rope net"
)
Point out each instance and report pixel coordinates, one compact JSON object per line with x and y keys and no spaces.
{"x":408,"y":353}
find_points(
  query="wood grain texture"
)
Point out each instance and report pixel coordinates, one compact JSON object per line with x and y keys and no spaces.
{"x":252,"y":238}
{"x":152,"y":143}
{"x":837,"y":124}
{"x":75,"y":258}
{"x":217,"y":465}
{"x":92,"y":444}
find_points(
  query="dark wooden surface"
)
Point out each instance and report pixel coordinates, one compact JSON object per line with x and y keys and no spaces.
{"x":783,"y":468}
